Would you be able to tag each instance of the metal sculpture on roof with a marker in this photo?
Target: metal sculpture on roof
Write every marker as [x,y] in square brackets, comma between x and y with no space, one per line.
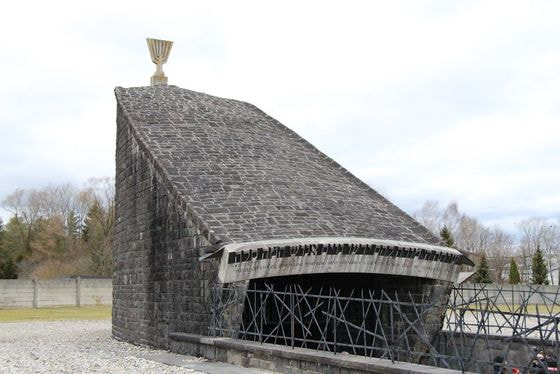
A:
[159,51]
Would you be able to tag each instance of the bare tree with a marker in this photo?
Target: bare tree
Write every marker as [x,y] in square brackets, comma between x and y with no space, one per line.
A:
[471,235]
[539,233]
[500,249]
[65,225]
[26,206]
[101,192]
[60,200]
[451,217]
[430,216]
[434,217]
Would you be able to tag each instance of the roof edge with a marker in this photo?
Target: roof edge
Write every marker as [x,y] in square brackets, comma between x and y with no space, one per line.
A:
[206,231]
[120,91]
[370,190]
[232,247]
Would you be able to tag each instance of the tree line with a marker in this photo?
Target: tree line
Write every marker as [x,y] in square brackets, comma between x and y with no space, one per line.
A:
[59,230]
[64,230]
[531,255]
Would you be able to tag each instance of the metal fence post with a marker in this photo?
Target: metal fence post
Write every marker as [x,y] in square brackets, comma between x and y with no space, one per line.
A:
[78,291]
[335,320]
[35,293]
[292,314]
[261,317]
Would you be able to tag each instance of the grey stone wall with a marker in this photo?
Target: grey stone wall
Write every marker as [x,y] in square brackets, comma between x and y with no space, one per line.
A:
[159,284]
[193,170]
[290,360]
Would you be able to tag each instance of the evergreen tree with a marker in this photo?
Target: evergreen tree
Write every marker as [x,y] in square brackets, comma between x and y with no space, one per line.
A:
[92,221]
[483,271]
[513,272]
[12,238]
[50,239]
[73,225]
[97,235]
[447,237]
[2,234]
[539,269]
[8,268]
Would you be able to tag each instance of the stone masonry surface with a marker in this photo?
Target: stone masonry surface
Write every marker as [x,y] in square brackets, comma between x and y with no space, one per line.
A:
[74,347]
[246,177]
[159,284]
[194,171]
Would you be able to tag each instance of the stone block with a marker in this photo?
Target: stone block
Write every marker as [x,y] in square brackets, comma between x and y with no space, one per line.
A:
[291,370]
[235,358]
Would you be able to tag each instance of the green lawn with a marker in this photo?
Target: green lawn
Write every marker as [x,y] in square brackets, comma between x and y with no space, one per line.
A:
[86,312]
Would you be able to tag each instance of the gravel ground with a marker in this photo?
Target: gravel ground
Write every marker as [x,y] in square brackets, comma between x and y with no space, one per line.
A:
[74,347]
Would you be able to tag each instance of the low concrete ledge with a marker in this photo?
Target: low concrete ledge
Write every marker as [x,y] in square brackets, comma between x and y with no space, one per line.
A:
[285,359]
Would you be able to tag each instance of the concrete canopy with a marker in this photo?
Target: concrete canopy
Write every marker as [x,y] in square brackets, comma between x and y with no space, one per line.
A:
[273,258]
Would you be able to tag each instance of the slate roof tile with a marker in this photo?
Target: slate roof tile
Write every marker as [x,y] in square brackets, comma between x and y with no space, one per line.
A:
[247,177]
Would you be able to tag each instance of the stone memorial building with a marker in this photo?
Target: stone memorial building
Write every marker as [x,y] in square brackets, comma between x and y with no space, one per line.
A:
[213,191]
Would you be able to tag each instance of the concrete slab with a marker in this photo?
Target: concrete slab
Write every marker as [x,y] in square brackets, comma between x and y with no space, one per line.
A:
[339,362]
[209,367]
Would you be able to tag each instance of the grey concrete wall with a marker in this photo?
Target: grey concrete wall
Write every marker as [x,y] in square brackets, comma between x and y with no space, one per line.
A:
[16,293]
[284,359]
[27,293]
[56,292]
[96,291]
[513,294]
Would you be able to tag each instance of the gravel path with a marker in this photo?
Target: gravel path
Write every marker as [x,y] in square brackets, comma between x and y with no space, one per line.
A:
[74,347]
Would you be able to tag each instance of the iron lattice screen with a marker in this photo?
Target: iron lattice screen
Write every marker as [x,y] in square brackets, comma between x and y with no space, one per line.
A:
[477,324]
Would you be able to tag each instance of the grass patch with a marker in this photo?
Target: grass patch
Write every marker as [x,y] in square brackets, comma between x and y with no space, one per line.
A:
[61,313]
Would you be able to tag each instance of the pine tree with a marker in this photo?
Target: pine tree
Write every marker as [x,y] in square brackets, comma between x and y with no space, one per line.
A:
[483,271]
[2,234]
[540,271]
[91,221]
[513,272]
[97,236]
[8,268]
[72,225]
[447,237]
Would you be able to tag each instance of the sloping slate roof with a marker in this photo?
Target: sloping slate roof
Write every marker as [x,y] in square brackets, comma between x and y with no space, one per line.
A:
[247,177]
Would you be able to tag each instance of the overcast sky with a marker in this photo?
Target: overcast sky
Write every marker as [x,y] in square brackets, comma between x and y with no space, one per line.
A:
[423,100]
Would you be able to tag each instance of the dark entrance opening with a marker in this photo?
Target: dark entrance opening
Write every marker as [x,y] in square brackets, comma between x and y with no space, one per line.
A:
[340,312]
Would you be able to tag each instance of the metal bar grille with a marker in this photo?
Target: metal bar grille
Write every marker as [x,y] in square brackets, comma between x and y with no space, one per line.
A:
[477,325]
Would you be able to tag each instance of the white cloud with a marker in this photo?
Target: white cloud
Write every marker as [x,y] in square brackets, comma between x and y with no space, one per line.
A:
[423,100]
